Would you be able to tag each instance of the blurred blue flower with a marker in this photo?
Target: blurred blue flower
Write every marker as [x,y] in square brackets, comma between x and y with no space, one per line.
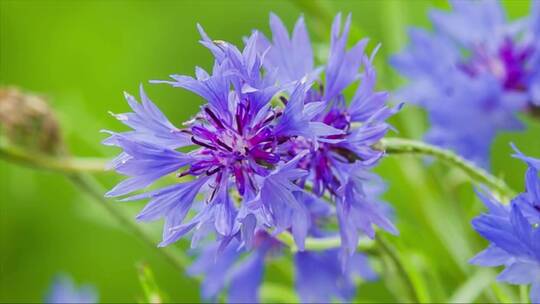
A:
[63,290]
[319,276]
[264,136]
[514,234]
[473,74]
[234,270]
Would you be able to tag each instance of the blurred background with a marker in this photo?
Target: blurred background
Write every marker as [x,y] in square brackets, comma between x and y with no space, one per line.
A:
[82,55]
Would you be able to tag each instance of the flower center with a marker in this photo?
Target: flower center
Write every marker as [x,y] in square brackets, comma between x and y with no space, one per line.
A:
[326,154]
[237,148]
[509,64]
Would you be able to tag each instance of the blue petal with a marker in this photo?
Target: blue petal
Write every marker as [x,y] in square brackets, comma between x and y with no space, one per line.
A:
[246,279]
[213,268]
[278,198]
[292,57]
[146,163]
[293,122]
[150,125]
[176,198]
[319,278]
[520,273]
[173,230]
[342,68]
[214,89]
[533,162]
[470,22]
[63,290]
[492,256]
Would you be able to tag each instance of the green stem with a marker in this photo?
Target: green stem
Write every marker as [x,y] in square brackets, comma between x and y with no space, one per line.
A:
[387,249]
[53,163]
[320,244]
[394,146]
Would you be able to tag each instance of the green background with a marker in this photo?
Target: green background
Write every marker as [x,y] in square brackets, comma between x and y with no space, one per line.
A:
[81,55]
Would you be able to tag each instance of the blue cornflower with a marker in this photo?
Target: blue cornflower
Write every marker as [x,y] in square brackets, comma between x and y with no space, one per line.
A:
[473,74]
[514,234]
[338,163]
[63,290]
[319,277]
[234,270]
[264,136]
[234,141]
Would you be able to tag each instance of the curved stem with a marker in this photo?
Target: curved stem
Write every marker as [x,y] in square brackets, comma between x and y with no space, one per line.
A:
[52,163]
[395,146]
[320,244]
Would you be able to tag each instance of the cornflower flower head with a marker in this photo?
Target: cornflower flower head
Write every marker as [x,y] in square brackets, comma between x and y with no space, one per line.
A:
[342,153]
[487,69]
[514,234]
[264,137]
[235,141]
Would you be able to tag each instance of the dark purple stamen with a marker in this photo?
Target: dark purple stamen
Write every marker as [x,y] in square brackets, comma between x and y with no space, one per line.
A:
[240,180]
[275,115]
[200,143]
[200,167]
[282,140]
[203,133]
[514,60]
[267,157]
[214,118]
[182,174]
[241,112]
[213,171]
[263,135]
[223,145]
[350,156]
[509,64]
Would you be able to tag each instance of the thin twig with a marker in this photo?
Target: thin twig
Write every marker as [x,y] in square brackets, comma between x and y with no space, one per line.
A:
[52,163]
